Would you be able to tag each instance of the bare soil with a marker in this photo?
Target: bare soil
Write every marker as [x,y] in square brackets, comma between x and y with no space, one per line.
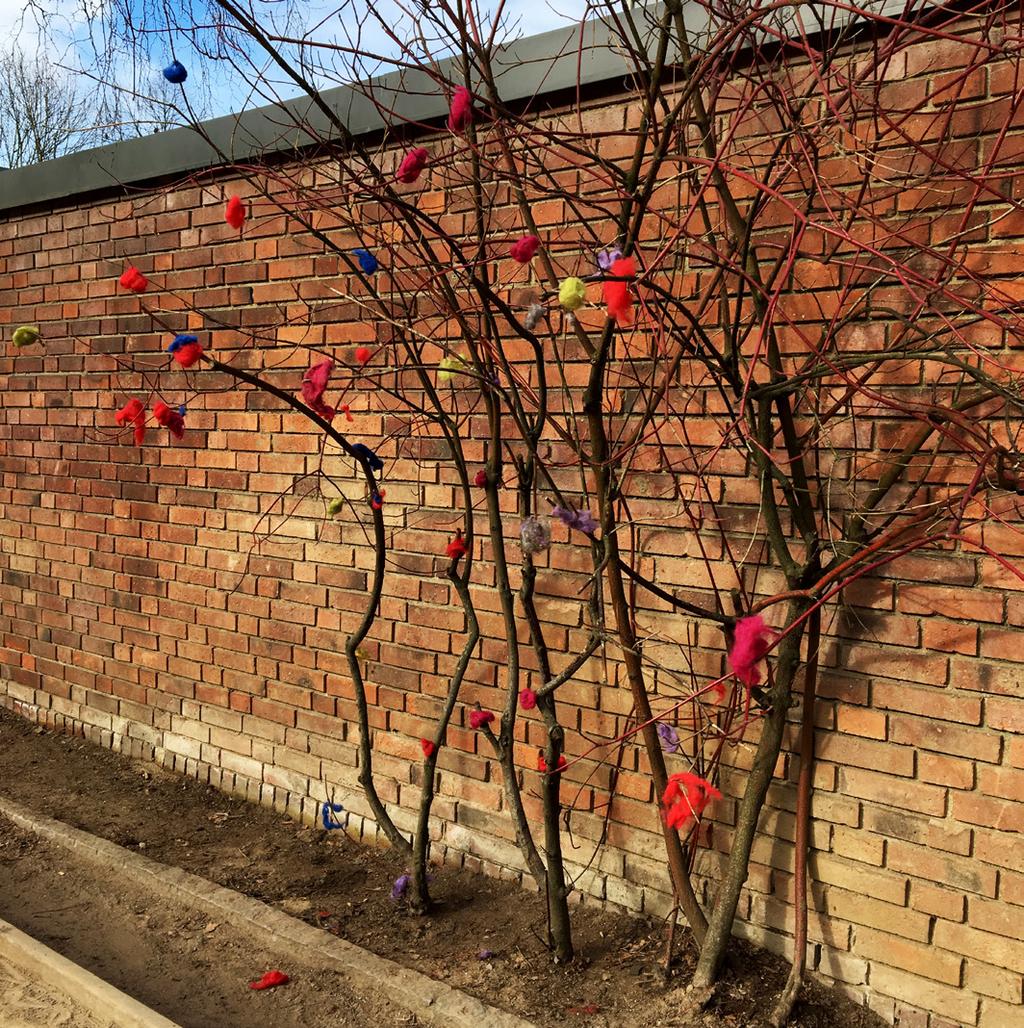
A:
[171,957]
[334,883]
[28,1002]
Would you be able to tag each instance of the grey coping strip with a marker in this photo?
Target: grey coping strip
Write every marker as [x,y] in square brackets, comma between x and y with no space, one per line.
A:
[583,55]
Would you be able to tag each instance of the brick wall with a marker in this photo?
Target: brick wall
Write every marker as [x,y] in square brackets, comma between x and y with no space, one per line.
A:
[160,602]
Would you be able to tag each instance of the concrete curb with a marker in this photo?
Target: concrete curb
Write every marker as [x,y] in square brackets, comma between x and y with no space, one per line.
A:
[100,998]
[431,1001]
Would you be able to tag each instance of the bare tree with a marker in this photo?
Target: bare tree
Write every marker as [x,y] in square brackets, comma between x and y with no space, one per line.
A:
[43,112]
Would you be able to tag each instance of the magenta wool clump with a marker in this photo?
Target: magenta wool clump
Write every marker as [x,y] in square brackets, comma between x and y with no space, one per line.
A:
[460,115]
[751,642]
[479,718]
[412,165]
[524,250]
[314,385]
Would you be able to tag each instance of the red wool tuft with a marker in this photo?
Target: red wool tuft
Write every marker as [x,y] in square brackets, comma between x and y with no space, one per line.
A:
[234,213]
[363,354]
[525,249]
[188,354]
[269,981]
[542,763]
[457,547]
[751,641]
[479,718]
[169,418]
[135,414]
[461,114]
[685,798]
[428,747]
[412,165]
[616,294]
[134,280]
[481,478]
[527,699]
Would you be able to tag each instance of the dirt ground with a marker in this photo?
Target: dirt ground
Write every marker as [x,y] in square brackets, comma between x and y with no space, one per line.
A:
[170,957]
[27,1002]
[332,882]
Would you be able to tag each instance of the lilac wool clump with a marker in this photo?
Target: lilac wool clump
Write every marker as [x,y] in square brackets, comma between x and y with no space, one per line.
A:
[669,737]
[401,886]
[535,535]
[606,258]
[581,520]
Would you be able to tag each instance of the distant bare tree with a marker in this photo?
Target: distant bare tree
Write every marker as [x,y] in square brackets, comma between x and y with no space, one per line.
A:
[43,112]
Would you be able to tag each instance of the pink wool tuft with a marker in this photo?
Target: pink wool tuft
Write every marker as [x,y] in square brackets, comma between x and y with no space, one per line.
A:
[461,113]
[479,718]
[751,642]
[527,699]
[616,294]
[314,385]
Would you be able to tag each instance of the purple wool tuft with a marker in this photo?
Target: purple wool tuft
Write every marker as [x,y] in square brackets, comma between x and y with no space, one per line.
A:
[669,737]
[582,520]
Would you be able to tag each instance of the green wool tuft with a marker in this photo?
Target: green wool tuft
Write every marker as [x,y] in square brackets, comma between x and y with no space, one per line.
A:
[26,335]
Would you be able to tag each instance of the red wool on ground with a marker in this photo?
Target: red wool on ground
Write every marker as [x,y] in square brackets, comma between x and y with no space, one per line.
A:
[134,280]
[525,249]
[412,165]
[685,798]
[135,414]
[751,641]
[457,547]
[616,294]
[234,213]
[428,747]
[479,718]
[461,114]
[169,418]
[269,981]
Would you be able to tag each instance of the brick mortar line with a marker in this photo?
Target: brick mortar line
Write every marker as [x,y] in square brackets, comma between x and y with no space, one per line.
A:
[434,1001]
[98,997]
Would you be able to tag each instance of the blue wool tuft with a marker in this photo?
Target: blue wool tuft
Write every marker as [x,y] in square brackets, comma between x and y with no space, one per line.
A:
[364,453]
[325,814]
[367,261]
[181,410]
[180,341]
[175,72]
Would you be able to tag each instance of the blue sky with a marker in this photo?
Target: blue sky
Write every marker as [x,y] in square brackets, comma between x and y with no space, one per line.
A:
[217,85]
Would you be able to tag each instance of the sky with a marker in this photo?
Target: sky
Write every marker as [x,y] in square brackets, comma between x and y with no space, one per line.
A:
[76,40]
